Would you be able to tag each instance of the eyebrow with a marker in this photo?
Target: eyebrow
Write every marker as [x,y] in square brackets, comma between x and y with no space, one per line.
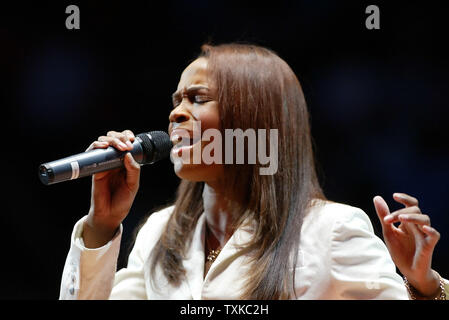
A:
[191,88]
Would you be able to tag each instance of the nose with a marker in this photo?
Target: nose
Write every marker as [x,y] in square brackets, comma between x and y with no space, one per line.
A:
[179,114]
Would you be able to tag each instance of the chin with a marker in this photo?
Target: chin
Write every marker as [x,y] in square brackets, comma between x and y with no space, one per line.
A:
[198,172]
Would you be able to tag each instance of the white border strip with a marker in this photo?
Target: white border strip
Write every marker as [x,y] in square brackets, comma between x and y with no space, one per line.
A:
[75,170]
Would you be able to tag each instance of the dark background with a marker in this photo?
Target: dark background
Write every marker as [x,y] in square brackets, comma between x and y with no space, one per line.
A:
[377,98]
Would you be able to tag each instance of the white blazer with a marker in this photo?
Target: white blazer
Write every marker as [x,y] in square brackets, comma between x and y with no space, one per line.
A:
[339,257]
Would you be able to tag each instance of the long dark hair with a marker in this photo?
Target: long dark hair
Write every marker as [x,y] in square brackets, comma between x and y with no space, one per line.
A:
[255,89]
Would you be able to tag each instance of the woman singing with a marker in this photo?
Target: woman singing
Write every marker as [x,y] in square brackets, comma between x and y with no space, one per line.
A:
[232,232]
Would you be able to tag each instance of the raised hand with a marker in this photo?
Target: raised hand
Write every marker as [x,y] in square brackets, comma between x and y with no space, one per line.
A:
[113,191]
[411,244]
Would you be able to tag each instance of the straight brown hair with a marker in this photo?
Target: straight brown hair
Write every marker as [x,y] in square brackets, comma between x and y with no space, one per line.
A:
[255,89]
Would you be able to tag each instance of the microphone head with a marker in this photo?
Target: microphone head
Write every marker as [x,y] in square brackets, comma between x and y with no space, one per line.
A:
[156,145]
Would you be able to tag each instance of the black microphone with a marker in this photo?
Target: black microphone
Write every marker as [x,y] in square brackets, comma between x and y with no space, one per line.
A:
[148,148]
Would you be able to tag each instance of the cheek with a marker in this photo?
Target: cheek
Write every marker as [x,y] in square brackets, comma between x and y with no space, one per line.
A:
[209,117]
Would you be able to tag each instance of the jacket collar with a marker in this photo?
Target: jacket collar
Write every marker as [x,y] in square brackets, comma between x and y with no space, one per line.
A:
[195,258]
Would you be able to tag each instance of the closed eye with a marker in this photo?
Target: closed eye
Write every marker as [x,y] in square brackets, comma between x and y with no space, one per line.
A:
[195,94]
[200,99]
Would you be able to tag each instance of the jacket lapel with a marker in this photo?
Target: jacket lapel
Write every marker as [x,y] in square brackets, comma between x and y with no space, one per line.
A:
[194,261]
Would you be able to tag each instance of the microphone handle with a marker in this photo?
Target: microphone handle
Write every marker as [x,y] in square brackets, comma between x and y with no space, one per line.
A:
[87,163]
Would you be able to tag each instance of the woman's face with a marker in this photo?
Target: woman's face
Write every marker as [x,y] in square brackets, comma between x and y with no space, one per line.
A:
[194,104]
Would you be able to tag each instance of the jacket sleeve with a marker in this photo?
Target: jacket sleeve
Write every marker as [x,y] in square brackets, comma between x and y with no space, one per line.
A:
[361,266]
[89,273]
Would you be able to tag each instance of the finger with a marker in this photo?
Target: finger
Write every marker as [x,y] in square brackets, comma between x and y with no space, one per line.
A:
[382,211]
[100,175]
[115,142]
[419,219]
[414,230]
[112,133]
[433,234]
[405,199]
[394,216]
[132,171]
[134,165]
[124,137]
[129,134]
[98,145]
[129,138]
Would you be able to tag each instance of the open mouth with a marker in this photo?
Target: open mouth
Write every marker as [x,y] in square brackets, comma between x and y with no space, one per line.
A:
[183,143]
[179,141]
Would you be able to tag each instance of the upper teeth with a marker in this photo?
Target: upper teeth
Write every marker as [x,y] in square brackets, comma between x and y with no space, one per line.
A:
[176,139]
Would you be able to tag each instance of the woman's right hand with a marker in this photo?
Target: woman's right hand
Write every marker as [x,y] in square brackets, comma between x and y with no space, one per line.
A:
[113,191]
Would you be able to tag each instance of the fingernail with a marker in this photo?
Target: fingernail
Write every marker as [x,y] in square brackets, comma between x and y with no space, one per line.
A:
[122,145]
[129,144]
[388,218]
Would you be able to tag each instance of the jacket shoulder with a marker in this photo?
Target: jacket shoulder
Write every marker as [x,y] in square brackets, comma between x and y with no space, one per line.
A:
[327,215]
[157,219]
[149,232]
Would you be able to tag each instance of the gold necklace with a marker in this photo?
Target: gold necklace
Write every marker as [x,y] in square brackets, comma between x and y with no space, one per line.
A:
[213,254]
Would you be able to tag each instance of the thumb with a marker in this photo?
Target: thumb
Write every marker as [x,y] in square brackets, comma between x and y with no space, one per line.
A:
[382,211]
[433,236]
[132,171]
